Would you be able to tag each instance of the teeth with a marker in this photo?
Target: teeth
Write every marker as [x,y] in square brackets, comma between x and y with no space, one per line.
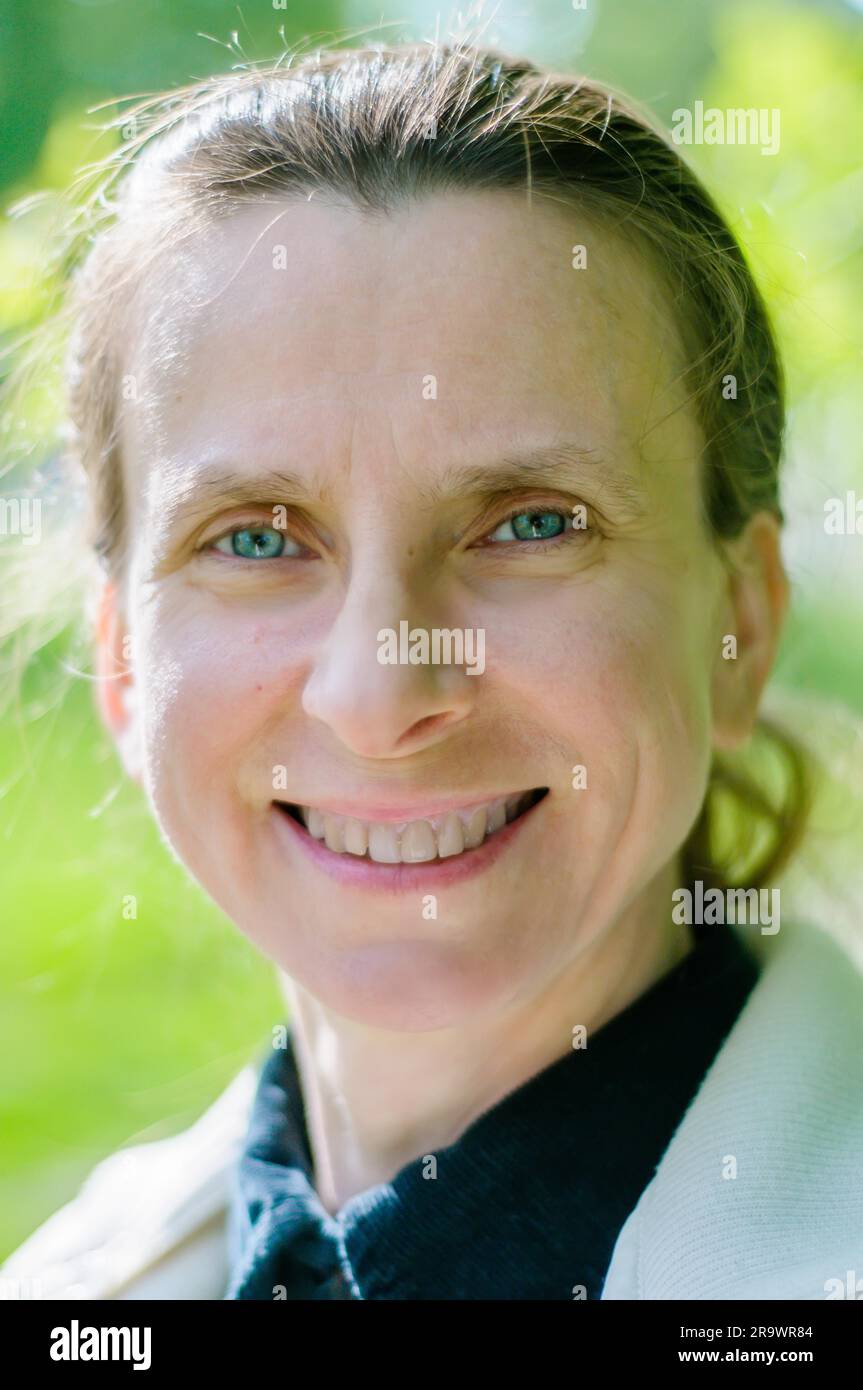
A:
[418,841]
[356,837]
[450,838]
[384,844]
[475,832]
[334,833]
[496,817]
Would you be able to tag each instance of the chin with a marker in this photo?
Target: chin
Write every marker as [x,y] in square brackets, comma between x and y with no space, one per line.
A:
[409,987]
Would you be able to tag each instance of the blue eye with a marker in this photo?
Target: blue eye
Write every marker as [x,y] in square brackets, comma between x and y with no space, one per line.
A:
[531,526]
[255,543]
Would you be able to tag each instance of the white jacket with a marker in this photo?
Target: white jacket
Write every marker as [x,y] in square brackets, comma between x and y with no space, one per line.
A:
[783,1097]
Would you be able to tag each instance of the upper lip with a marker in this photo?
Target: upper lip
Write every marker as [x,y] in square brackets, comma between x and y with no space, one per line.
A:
[405,810]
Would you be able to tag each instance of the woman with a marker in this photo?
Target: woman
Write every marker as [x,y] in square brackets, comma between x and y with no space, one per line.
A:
[432,423]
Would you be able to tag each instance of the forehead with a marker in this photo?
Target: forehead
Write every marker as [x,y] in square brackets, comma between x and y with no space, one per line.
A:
[449,326]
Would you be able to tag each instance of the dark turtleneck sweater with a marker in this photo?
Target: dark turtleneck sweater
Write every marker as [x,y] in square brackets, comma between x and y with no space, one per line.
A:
[529,1201]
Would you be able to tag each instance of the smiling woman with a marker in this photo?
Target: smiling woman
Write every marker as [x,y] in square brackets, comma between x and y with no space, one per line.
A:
[335,370]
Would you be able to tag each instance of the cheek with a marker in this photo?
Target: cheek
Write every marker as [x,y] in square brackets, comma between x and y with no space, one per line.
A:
[650,710]
[595,661]
[209,688]
[624,691]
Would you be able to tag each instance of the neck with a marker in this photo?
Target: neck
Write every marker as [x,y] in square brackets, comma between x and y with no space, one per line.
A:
[376,1100]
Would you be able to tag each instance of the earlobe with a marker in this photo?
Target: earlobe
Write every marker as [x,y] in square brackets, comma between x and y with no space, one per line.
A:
[756,602]
[116,689]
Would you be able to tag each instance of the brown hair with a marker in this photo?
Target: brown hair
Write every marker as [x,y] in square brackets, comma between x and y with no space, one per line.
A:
[380,126]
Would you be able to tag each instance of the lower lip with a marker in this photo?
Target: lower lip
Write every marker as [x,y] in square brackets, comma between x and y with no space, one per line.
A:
[358,872]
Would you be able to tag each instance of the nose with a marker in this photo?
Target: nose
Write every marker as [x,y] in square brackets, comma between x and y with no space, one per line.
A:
[383,709]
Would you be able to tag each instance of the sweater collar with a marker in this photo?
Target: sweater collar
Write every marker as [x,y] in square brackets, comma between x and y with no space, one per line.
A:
[529,1201]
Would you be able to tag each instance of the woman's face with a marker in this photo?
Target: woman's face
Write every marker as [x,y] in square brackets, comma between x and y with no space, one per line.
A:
[332,422]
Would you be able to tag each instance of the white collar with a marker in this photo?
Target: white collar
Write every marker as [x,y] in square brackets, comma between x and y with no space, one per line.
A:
[784,1099]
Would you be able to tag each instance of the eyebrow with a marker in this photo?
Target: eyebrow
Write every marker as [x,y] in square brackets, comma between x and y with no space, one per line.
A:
[562,464]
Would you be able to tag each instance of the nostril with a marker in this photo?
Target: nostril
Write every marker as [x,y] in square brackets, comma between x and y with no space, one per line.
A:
[430,724]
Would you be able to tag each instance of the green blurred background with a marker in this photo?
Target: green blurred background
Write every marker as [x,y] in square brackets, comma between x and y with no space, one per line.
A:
[112,1030]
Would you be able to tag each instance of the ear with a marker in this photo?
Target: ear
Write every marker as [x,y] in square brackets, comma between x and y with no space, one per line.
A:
[756,601]
[116,690]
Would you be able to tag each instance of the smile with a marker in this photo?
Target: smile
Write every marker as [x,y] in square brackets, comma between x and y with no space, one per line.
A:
[375,854]
[418,840]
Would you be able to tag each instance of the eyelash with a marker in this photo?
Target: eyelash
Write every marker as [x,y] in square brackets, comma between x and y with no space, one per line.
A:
[567,536]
